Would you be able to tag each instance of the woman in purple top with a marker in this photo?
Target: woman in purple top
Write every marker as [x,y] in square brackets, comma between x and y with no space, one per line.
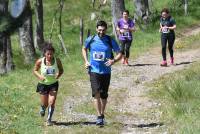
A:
[125,27]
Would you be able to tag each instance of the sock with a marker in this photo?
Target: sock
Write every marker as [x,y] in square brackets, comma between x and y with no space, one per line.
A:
[43,107]
[50,113]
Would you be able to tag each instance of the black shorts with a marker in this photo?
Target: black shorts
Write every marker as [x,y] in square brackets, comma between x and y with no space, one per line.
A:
[45,89]
[100,83]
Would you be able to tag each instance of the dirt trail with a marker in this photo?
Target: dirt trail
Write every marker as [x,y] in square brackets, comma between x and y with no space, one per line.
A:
[128,86]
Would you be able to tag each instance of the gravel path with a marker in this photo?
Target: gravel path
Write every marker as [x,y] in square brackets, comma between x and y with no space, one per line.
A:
[128,84]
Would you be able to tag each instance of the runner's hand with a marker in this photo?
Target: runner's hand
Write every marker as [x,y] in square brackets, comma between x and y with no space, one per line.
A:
[87,65]
[41,77]
[57,75]
[121,30]
[109,62]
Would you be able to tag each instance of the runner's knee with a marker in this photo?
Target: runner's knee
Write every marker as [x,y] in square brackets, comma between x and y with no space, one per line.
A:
[104,95]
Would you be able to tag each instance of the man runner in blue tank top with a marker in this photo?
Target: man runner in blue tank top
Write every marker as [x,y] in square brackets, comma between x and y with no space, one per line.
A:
[99,66]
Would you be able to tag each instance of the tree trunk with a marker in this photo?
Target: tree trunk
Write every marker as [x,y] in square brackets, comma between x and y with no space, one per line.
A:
[3,38]
[9,63]
[3,41]
[185,7]
[142,11]
[26,36]
[39,37]
[117,7]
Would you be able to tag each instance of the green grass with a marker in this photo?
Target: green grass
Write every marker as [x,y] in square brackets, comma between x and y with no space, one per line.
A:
[19,102]
[180,94]
[18,112]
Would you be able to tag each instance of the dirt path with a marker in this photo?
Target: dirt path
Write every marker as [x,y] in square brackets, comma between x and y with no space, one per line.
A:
[128,93]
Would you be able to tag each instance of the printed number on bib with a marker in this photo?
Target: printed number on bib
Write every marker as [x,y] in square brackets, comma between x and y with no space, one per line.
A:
[165,30]
[50,71]
[125,34]
[99,56]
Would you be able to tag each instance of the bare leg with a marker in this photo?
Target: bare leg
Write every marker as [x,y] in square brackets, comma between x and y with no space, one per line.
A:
[97,103]
[44,100]
[44,104]
[103,105]
[52,99]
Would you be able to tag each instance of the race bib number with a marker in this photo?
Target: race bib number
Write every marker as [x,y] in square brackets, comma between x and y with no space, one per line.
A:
[50,71]
[165,30]
[125,34]
[98,56]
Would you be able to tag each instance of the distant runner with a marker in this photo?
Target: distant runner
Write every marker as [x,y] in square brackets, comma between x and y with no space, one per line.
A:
[99,66]
[167,26]
[125,27]
[48,69]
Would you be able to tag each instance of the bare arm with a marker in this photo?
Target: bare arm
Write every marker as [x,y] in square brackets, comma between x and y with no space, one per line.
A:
[132,29]
[173,27]
[37,68]
[85,57]
[60,68]
[160,29]
[112,61]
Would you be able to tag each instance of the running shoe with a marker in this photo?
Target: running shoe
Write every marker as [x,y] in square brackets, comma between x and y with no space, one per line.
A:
[126,62]
[49,123]
[99,121]
[42,111]
[164,63]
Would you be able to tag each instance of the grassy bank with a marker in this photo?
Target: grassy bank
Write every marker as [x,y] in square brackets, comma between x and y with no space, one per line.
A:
[179,95]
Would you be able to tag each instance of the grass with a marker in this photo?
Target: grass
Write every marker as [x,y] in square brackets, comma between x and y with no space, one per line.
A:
[19,102]
[180,100]
[179,93]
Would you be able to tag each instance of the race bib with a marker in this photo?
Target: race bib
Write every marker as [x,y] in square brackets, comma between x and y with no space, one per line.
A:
[125,34]
[50,71]
[98,56]
[165,30]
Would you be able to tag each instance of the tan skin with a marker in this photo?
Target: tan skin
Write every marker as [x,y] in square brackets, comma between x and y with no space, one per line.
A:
[100,103]
[49,99]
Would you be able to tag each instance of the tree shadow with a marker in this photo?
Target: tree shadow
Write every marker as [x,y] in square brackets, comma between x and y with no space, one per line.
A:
[87,123]
[182,63]
[139,65]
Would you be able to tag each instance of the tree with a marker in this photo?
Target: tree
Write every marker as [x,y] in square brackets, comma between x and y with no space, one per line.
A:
[2,55]
[142,11]
[39,37]
[9,63]
[26,36]
[6,60]
[185,7]
[117,6]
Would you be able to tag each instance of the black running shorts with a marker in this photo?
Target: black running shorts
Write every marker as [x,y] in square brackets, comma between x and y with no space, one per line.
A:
[45,89]
[100,83]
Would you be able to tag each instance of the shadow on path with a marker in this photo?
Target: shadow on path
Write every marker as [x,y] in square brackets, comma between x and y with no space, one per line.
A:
[139,65]
[182,63]
[73,123]
[150,125]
